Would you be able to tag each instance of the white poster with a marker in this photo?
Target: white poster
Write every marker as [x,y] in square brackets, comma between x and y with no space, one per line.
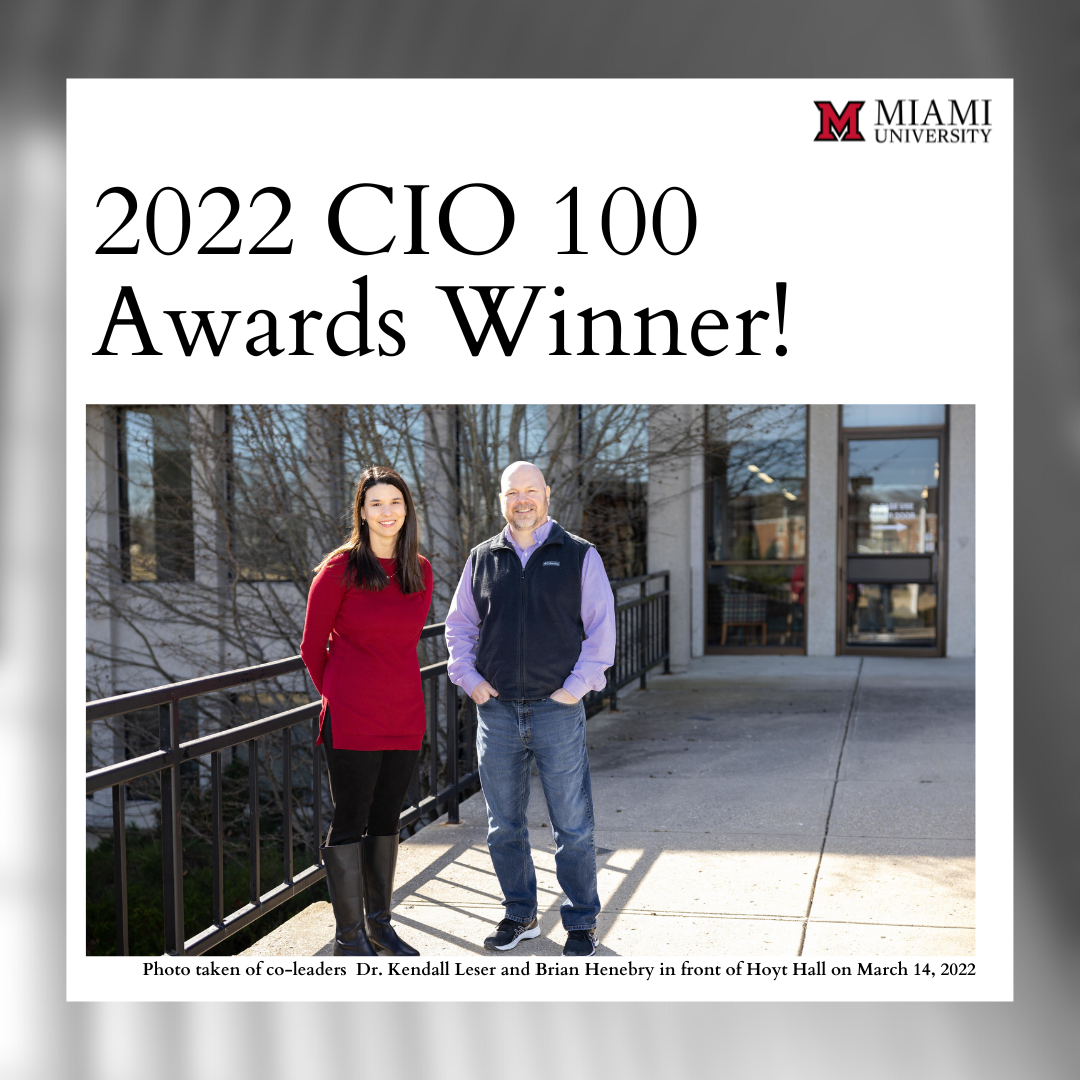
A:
[557,242]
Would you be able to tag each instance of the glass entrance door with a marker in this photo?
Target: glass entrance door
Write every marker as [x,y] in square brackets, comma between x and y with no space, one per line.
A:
[892,524]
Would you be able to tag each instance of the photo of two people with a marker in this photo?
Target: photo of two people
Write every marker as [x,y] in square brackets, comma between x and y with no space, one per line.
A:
[644,680]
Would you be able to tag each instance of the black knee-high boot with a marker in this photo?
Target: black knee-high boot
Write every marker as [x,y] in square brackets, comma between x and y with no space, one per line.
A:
[380,861]
[344,877]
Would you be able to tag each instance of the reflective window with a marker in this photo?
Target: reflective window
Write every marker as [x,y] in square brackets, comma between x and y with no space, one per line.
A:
[757,466]
[755,604]
[756,515]
[157,536]
[892,415]
[613,462]
[285,499]
[892,615]
[893,496]
[893,523]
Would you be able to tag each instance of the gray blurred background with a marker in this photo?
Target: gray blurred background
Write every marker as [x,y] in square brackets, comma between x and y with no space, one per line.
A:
[42,42]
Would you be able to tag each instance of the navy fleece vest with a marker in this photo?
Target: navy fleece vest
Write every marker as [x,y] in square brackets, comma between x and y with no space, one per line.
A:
[530,616]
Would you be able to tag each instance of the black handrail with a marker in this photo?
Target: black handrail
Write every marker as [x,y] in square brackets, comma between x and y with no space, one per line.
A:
[642,638]
[642,642]
[189,688]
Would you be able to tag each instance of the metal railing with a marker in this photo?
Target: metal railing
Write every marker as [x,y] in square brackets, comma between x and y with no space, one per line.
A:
[642,638]
[642,642]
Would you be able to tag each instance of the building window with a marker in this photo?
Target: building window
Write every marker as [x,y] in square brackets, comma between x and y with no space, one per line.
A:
[756,526]
[157,535]
[875,416]
[613,455]
[283,491]
[594,457]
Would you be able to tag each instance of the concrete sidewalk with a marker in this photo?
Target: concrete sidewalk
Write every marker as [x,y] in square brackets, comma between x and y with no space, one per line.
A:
[771,805]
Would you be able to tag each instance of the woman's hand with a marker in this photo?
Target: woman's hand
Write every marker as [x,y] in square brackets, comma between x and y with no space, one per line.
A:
[564,697]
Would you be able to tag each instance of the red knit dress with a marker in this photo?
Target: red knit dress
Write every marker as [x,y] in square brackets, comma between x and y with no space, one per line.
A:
[370,676]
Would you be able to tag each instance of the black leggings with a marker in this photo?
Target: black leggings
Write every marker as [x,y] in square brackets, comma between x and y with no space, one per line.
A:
[367,788]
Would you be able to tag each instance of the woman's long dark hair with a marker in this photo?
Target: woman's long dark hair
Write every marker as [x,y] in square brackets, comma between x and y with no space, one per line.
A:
[362,567]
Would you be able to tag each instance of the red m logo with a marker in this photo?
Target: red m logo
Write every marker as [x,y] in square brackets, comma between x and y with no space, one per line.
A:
[835,125]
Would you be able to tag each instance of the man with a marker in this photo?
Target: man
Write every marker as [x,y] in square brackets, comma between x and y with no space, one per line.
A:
[530,631]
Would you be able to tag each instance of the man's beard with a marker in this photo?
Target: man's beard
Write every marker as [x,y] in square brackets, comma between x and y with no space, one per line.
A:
[526,520]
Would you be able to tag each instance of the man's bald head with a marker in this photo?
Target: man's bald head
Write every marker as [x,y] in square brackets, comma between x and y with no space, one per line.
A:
[514,466]
[523,497]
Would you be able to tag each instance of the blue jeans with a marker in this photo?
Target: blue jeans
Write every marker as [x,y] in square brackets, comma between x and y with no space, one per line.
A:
[510,736]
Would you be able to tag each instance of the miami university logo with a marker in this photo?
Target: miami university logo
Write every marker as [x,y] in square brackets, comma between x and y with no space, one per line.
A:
[839,126]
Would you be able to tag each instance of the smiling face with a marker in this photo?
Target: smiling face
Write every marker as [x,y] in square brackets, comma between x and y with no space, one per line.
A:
[384,512]
[524,498]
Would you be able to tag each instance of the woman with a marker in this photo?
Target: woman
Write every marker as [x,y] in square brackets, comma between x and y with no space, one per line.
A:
[366,608]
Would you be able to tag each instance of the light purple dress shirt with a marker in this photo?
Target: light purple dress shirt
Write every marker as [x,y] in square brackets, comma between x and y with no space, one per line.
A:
[597,618]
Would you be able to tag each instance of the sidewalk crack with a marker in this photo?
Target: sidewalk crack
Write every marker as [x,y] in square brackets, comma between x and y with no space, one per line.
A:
[832,799]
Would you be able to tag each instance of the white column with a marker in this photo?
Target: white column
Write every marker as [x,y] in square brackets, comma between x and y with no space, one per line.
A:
[960,599]
[696,554]
[671,519]
[822,511]
[102,545]
[102,584]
